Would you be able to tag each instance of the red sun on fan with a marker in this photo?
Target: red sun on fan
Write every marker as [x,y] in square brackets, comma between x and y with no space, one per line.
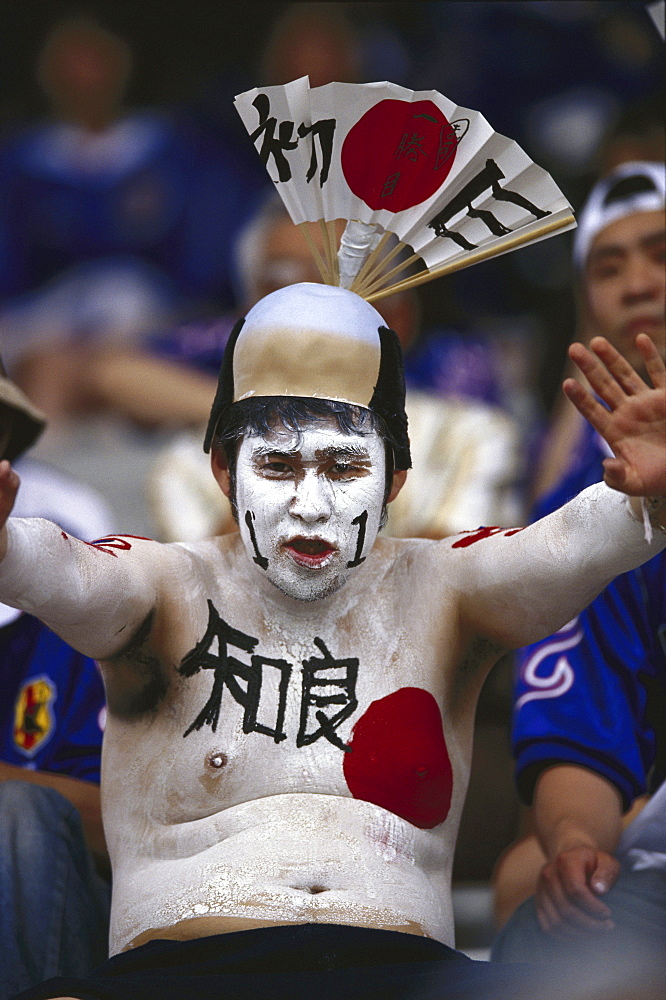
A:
[398,154]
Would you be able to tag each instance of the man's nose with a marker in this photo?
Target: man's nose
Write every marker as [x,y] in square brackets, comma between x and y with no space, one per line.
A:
[312,502]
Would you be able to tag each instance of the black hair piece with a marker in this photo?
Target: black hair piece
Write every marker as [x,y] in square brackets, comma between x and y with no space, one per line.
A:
[224,395]
[388,397]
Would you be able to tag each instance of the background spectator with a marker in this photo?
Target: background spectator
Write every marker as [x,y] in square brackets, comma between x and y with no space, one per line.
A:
[54,905]
[589,713]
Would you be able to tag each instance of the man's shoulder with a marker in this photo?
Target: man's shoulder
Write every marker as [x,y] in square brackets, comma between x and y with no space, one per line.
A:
[217,547]
[216,557]
[408,557]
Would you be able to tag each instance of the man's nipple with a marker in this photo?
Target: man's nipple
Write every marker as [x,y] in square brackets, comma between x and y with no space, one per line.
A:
[216,760]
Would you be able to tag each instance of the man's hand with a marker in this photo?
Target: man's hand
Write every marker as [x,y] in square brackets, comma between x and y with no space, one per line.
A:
[568,891]
[634,425]
[9,484]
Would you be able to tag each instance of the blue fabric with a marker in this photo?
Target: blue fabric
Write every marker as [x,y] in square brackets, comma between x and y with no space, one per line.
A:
[174,197]
[449,363]
[637,904]
[200,344]
[594,694]
[54,908]
[585,468]
[52,703]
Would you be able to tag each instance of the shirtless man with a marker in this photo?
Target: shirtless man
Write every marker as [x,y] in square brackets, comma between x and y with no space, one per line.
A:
[291,707]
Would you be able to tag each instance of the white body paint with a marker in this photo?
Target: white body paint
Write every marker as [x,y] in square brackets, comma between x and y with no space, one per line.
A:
[274,835]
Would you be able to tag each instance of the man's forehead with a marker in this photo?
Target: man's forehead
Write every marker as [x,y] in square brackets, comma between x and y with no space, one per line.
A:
[630,231]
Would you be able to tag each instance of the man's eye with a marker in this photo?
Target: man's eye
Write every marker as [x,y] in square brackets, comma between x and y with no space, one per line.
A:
[604,271]
[343,469]
[276,468]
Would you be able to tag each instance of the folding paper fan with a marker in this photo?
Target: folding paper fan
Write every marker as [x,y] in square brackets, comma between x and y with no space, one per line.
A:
[450,189]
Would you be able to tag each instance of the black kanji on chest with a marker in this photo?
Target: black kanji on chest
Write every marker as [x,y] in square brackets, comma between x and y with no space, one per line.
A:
[328,696]
[328,685]
[243,680]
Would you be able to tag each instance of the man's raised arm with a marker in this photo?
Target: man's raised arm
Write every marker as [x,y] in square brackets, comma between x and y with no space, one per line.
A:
[517,587]
[95,601]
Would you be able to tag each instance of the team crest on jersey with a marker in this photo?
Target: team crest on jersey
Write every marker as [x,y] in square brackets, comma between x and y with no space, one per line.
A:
[33,715]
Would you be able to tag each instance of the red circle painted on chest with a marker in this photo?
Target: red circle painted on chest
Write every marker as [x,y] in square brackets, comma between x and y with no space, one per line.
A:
[399,760]
[398,154]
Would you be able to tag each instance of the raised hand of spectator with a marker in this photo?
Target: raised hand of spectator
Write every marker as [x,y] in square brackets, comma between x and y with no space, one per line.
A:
[634,424]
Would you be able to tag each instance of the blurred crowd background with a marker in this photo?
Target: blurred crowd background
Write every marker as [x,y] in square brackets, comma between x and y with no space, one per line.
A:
[127,186]
[571,80]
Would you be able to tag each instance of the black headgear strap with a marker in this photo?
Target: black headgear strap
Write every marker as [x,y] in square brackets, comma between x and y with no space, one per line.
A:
[224,396]
[388,397]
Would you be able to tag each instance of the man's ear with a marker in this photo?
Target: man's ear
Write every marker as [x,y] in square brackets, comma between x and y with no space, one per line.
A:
[397,485]
[220,466]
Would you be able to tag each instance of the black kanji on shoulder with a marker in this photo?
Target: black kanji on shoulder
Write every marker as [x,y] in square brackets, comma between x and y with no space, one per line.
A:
[327,682]
[243,680]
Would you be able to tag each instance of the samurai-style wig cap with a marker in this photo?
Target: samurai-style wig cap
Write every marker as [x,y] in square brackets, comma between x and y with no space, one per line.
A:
[316,341]
[629,189]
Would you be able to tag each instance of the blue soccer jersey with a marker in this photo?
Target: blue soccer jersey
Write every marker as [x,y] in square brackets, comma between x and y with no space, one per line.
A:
[52,707]
[594,694]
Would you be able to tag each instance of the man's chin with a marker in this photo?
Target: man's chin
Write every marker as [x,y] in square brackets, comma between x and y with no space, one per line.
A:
[308,590]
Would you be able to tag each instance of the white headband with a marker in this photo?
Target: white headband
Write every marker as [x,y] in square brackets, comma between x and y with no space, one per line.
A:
[629,189]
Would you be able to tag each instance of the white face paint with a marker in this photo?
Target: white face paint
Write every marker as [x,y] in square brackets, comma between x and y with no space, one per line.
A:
[309,508]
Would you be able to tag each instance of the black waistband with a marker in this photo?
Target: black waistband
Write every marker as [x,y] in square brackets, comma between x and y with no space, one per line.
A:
[290,962]
[288,948]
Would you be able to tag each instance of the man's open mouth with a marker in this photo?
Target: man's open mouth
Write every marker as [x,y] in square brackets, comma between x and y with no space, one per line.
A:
[309,552]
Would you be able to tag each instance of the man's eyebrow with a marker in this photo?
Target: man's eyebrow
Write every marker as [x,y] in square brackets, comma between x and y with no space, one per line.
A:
[357,452]
[335,451]
[654,239]
[606,252]
[264,451]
